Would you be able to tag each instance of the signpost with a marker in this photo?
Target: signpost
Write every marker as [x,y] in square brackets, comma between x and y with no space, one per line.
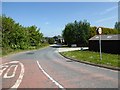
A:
[99,31]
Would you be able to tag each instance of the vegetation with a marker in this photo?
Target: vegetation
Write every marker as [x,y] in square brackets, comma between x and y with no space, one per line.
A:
[77,33]
[80,32]
[117,26]
[105,31]
[93,57]
[51,40]
[17,37]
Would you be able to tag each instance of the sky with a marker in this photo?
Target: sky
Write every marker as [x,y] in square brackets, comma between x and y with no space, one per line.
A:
[51,17]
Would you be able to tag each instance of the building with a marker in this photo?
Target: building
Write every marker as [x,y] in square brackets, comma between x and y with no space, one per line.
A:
[58,39]
[109,43]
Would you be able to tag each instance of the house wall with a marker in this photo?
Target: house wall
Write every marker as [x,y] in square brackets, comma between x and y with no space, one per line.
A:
[107,46]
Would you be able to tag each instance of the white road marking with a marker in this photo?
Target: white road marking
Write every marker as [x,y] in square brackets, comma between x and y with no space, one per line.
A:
[13,74]
[19,80]
[3,65]
[56,83]
[2,70]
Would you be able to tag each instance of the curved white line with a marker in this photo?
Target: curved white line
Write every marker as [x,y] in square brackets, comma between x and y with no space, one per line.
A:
[2,70]
[56,83]
[13,74]
[19,80]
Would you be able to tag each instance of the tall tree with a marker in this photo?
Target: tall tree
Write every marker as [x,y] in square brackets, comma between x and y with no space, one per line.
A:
[15,36]
[77,33]
[117,26]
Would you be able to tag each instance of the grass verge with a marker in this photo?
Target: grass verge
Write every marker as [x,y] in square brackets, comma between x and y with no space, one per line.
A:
[8,51]
[93,57]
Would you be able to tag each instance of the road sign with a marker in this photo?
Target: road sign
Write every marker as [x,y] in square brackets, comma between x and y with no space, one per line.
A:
[100,30]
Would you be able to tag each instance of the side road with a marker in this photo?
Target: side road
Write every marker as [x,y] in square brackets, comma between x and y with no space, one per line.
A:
[65,49]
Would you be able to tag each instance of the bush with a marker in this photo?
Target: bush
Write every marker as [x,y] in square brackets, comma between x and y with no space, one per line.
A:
[51,41]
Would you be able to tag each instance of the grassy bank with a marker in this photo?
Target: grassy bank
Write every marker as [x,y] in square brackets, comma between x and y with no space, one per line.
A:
[8,51]
[93,57]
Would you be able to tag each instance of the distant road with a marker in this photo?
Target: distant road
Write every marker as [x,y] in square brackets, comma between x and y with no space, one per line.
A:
[46,68]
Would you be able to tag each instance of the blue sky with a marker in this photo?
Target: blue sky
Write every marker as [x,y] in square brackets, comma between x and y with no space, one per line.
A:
[52,17]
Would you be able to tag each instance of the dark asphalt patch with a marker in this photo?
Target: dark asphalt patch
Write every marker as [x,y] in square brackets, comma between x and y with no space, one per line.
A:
[29,53]
[69,61]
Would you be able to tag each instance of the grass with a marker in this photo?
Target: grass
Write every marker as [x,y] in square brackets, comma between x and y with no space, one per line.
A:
[94,57]
[8,51]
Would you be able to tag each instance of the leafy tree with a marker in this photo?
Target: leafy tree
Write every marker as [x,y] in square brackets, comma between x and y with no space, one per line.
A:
[77,33]
[15,36]
[117,26]
[35,37]
[51,40]
[105,31]
[84,33]
[69,34]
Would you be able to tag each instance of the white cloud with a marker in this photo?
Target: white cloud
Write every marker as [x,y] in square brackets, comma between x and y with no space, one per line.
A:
[105,19]
[109,10]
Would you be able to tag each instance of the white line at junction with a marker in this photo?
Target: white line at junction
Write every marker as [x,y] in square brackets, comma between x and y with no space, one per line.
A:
[56,83]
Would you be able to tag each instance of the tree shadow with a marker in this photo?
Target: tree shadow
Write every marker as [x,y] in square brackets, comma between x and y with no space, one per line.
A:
[30,53]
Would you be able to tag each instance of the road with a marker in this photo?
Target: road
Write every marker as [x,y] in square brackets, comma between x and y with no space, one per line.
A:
[46,68]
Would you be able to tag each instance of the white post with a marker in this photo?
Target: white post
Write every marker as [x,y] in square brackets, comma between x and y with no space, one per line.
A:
[100,47]
[99,31]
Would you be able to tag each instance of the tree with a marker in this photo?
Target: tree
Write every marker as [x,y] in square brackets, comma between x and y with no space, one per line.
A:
[69,34]
[51,40]
[117,26]
[35,37]
[104,31]
[15,36]
[92,31]
[84,32]
[77,33]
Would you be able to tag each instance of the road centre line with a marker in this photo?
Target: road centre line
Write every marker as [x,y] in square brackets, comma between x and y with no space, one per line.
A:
[56,83]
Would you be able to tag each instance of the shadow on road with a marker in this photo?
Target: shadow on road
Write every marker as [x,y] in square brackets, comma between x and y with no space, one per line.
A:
[29,53]
[55,46]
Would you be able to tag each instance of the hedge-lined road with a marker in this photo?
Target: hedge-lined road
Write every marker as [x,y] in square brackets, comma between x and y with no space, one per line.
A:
[46,68]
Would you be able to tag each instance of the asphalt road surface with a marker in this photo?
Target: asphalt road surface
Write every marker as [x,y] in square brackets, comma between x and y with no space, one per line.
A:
[46,68]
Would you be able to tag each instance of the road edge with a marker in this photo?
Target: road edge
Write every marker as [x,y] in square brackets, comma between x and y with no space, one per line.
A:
[24,51]
[98,65]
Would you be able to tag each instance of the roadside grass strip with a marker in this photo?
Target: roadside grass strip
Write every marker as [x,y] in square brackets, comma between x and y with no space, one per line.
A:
[111,60]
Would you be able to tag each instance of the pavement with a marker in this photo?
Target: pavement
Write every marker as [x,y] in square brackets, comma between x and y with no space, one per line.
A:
[61,49]
[46,68]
